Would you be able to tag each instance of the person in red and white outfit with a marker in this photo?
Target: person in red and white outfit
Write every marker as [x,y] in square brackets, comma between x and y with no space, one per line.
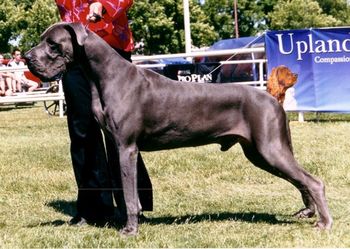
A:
[97,172]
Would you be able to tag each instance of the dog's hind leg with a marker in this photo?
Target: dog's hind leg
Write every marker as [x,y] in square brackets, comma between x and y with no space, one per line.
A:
[310,206]
[280,162]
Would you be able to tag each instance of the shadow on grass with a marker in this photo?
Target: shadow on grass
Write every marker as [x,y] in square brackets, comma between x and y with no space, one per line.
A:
[10,107]
[68,208]
[251,217]
[65,207]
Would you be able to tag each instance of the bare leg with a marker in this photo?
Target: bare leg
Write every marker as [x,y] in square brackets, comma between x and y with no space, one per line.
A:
[2,86]
[16,86]
[32,85]
[9,84]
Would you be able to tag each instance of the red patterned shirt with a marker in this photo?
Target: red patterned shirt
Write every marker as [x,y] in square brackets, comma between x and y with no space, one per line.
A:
[113,28]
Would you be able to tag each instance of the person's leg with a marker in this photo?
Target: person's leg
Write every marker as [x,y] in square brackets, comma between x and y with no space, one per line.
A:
[2,86]
[32,85]
[16,83]
[9,83]
[87,151]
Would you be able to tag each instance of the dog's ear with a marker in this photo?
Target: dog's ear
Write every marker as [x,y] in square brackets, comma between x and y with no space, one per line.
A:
[79,31]
[272,81]
[281,75]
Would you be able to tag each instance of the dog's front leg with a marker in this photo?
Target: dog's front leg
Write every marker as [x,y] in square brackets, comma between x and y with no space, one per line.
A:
[97,106]
[128,163]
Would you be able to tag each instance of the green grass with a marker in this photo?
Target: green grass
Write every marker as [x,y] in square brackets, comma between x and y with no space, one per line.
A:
[203,197]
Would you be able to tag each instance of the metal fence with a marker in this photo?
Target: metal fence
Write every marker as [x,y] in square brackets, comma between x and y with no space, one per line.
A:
[42,95]
[260,82]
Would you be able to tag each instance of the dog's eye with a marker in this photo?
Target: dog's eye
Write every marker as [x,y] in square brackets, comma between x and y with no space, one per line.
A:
[53,45]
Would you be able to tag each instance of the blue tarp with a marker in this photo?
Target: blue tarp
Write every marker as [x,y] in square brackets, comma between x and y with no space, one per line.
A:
[237,42]
[172,61]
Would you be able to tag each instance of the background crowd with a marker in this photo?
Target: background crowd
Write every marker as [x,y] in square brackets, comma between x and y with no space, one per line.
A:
[14,82]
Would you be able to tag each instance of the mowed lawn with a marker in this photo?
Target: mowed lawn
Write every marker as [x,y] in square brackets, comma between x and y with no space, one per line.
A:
[203,197]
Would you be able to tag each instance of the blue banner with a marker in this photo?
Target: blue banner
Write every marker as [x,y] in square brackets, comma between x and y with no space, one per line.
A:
[321,58]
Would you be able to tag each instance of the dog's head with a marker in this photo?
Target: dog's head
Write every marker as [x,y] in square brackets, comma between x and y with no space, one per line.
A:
[59,47]
[280,79]
[283,76]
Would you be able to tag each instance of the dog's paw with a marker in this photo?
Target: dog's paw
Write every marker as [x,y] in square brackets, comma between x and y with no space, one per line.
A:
[131,227]
[324,225]
[128,231]
[304,213]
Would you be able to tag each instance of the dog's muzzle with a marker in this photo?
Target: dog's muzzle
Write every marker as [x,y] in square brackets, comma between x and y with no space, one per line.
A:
[39,70]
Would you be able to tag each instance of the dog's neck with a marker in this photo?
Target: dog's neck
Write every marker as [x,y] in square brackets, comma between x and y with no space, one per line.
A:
[101,56]
[90,55]
[105,80]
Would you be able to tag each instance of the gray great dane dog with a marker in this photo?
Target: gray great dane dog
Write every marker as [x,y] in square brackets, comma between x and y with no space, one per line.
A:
[144,111]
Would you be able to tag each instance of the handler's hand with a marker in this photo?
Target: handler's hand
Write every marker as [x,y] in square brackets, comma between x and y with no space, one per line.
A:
[95,14]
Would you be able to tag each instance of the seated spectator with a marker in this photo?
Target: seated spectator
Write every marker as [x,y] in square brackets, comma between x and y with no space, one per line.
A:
[20,81]
[5,80]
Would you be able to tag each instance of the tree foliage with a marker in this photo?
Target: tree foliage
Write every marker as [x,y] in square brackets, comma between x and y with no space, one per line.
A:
[159,23]
[251,18]
[161,26]
[220,15]
[298,14]
[22,22]
[266,6]
[42,14]
[339,9]
[11,20]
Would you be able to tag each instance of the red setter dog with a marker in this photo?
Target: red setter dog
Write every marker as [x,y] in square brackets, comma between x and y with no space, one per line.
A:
[280,79]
